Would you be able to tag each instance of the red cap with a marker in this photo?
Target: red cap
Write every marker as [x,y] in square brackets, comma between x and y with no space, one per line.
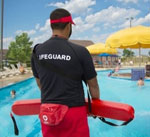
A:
[63,20]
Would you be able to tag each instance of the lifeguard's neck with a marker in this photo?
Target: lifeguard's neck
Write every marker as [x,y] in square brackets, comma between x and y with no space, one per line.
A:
[60,33]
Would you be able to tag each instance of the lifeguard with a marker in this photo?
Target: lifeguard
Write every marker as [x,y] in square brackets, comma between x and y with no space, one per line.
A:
[62,97]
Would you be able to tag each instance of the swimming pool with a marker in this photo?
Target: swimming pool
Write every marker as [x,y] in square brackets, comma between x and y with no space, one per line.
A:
[118,90]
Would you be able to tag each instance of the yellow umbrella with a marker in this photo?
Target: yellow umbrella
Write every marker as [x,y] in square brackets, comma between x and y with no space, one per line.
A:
[135,37]
[100,48]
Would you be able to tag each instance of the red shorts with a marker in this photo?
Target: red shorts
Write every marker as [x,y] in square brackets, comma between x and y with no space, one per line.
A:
[74,124]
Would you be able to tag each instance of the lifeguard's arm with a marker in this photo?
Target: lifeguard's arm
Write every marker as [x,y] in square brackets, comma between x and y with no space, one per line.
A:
[94,88]
[38,83]
[34,70]
[89,74]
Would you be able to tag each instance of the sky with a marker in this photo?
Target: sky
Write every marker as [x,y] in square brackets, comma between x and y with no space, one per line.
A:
[95,19]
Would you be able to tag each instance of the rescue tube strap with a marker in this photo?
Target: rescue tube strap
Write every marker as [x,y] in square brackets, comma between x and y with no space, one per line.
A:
[15,125]
[89,100]
[112,124]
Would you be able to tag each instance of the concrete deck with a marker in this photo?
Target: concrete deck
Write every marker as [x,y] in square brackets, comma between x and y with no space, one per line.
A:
[13,79]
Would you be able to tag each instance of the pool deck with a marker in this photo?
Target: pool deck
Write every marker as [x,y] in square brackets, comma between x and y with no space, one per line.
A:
[13,79]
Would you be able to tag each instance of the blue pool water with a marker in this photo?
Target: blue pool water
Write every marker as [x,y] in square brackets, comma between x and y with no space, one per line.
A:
[118,90]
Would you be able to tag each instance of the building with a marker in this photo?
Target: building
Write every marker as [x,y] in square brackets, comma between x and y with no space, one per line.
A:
[4,54]
[83,43]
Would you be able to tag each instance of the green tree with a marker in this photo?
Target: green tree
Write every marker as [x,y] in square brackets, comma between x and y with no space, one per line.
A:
[20,49]
[128,53]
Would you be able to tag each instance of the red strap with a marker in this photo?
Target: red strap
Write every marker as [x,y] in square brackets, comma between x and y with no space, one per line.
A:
[63,20]
[11,114]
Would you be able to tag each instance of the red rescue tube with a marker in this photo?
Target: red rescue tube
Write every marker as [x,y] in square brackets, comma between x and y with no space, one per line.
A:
[112,110]
[100,108]
[26,107]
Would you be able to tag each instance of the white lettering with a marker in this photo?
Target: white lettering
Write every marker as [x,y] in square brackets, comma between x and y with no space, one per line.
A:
[49,56]
[45,56]
[59,57]
[39,57]
[55,57]
[63,57]
[68,58]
